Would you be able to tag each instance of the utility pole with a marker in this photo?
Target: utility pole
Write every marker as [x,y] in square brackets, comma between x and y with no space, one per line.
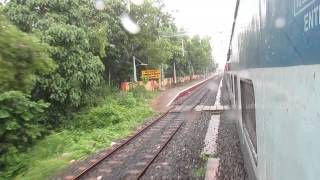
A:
[174,73]
[161,76]
[135,67]
[192,71]
[109,73]
[182,47]
[109,77]
[135,79]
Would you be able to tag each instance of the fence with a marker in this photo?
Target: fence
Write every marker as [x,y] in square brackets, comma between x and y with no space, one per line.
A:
[157,84]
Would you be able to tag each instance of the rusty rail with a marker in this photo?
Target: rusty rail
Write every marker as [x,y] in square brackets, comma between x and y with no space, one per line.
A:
[156,155]
[82,173]
[85,171]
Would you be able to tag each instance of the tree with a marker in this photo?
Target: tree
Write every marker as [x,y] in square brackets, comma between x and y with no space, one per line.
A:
[76,33]
[22,60]
[199,53]
[146,45]
[90,44]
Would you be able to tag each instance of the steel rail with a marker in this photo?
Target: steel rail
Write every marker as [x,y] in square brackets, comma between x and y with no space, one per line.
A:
[161,149]
[88,169]
[193,94]
[197,89]
[173,134]
[84,172]
[202,98]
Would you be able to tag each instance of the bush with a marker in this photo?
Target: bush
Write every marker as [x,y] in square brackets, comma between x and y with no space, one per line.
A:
[99,117]
[141,93]
[86,132]
[128,100]
[20,122]
[22,58]
[98,95]
[113,110]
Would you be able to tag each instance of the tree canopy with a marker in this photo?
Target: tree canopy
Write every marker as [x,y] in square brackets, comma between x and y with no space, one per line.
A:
[57,55]
[76,35]
[91,45]
[21,57]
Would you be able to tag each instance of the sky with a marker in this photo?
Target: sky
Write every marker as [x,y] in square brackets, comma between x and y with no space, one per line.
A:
[211,18]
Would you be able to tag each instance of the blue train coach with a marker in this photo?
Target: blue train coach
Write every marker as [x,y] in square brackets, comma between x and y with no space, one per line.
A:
[273,78]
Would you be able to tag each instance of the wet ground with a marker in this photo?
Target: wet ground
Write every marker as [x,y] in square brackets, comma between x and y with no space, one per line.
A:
[160,103]
[182,159]
[185,151]
[231,166]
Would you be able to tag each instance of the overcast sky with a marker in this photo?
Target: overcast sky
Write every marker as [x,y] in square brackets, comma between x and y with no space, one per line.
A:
[207,18]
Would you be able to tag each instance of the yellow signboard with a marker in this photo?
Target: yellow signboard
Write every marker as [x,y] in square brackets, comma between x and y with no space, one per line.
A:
[151,74]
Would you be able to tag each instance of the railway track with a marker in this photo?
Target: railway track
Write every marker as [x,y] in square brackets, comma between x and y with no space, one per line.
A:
[131,158]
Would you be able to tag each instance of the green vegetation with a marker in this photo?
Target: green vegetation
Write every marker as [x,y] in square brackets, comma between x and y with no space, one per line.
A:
[56,58]
[22,57]
[89,131]
[21,119]
[204,157]
[90,44]
[200,172]
[75,33]
[20,122]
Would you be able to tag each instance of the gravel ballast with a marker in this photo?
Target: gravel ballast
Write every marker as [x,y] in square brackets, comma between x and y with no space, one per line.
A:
[184,155]
[181,158]
[231,166]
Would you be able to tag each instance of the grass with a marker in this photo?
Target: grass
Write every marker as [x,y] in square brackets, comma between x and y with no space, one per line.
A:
[200,172]
[204,157]
[88,132]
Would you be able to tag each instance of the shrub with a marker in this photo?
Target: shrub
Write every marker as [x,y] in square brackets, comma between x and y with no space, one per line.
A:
[22,58]
[20,122]
[140,92]
[128,100]
[113,110]
[97,117]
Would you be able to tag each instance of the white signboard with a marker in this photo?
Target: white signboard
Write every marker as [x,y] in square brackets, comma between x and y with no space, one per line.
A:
[301,5]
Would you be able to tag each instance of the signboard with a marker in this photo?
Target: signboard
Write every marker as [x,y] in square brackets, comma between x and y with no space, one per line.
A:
[151,74]
[301,5]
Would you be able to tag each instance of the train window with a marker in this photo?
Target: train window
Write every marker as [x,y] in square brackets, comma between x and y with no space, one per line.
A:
[228,82]
[236,90]
[231,82]
[249,114]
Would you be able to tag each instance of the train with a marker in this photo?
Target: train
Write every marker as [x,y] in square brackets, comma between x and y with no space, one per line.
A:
[273,80]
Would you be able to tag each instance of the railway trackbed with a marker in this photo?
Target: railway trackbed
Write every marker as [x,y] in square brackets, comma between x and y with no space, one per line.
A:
[132,157]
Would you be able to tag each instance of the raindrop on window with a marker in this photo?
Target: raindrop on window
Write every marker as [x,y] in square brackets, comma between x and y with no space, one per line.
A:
[280,23]
[99,5]
[129,24]
[137,2]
